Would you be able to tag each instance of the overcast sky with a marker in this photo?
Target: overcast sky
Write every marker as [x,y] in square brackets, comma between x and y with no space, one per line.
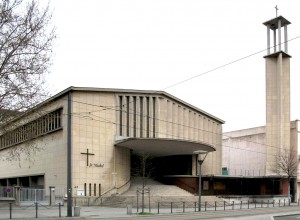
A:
[155,44]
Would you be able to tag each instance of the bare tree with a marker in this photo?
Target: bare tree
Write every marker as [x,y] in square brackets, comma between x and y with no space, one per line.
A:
[287,164]
[142,166]
[26,38]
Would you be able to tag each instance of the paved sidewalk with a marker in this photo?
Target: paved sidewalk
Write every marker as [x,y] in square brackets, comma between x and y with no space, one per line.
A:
[45,212]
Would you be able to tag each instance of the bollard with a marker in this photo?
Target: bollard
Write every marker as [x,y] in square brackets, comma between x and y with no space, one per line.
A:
[171,207]
[195,206]
[232,205]
[215,205]
[10,210]
[284,202]
[129,209]
[36,210]
[261,205]
[59,210]
[248,204]
[268,203]
[241,205]
[289,202]
[279,202]
[224,205]
[76,211]
[158,208]
[273,202]
[254,203]
[205,205]
[183,207]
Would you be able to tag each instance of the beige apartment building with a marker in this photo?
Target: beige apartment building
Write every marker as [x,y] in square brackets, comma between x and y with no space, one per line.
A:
[81,140]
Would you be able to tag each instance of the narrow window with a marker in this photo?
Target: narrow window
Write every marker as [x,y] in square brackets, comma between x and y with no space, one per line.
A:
[121,119]
[141,116]
[128,116]
[154,116]
[90,189]
[134,116]
[148,117]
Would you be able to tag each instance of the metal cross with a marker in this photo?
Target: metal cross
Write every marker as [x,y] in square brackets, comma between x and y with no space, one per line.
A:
[276,8]
[87,156]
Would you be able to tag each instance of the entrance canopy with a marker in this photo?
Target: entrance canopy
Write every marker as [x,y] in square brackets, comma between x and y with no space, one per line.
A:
[164,146]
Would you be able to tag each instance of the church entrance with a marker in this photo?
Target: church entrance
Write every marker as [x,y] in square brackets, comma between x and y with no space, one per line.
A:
[157,167]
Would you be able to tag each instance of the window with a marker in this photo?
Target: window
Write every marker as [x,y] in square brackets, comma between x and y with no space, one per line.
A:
[48,123]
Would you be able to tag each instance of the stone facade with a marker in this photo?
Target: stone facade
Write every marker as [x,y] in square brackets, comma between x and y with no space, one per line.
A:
[98,118]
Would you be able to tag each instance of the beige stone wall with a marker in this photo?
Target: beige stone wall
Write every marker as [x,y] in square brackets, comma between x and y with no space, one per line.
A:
[47,154]
[179,121]
[94,128]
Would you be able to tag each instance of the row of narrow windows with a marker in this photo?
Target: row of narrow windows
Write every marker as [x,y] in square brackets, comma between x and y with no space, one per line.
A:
[92,190]
[137,116]
[43,125]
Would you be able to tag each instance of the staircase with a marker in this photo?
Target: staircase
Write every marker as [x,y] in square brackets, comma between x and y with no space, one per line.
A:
[164,194]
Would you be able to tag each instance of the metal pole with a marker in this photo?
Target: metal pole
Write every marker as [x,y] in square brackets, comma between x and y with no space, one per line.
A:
[10,210]
[200,192]
[69,157]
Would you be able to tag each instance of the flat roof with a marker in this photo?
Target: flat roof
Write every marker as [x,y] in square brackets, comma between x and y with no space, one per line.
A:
[273,23]
[164,146]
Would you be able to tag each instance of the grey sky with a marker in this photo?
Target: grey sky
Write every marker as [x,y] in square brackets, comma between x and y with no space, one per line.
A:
[155,44]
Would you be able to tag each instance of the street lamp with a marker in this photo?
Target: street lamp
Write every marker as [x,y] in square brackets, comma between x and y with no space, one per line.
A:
[201,157]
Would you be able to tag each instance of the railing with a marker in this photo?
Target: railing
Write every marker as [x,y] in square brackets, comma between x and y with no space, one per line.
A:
[6,191]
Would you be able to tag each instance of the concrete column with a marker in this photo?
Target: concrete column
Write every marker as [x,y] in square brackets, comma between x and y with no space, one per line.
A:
[138,117]
[150,117]
[144,113]
[185,123]
[268,39]
[279,34]
[285,39]
[274,38]
[175,120]
[196,127]
[131,116]
[17,190]
[200,128]
[118,115]
[124,116]
[169,119]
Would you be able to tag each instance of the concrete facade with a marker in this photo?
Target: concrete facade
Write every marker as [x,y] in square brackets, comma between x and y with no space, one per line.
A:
[99,117]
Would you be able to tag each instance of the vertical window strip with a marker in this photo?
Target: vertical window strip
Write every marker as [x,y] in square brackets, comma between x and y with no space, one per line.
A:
[128,116]
[141,116]
[148,116]
[154,116]
[134,116]
[120,114]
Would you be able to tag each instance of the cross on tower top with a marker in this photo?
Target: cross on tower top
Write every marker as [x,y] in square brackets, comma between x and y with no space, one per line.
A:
[276,8]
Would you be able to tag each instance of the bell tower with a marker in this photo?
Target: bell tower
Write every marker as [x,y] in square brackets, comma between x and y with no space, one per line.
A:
[277,63]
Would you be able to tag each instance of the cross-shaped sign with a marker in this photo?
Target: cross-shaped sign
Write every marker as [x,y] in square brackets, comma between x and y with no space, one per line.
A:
[87,156]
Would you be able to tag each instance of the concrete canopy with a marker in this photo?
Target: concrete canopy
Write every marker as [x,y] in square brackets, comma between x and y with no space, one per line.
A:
[164,147]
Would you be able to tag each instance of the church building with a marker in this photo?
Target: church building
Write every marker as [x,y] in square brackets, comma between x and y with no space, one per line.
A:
[81,140]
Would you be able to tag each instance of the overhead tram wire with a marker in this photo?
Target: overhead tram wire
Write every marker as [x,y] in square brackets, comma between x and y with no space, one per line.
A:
[110,122]
[204,73]
[191,78]
[177,124]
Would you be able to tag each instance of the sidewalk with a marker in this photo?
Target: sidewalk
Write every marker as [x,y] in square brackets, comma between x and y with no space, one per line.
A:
[96,212]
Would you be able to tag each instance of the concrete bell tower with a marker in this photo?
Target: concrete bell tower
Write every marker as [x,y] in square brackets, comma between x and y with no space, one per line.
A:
[277,92]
